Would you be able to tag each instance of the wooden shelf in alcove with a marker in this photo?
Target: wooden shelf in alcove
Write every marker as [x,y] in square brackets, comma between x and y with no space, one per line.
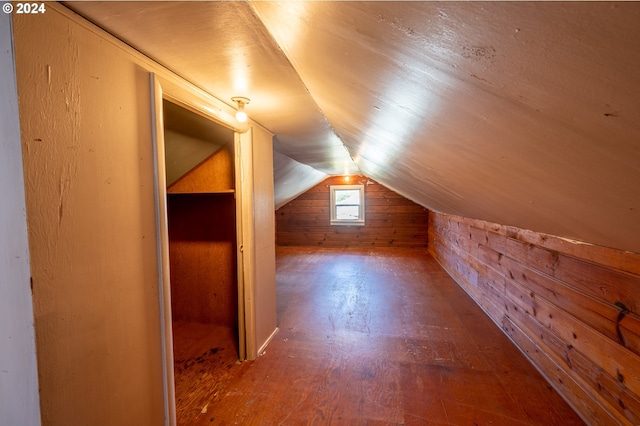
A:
[215,175]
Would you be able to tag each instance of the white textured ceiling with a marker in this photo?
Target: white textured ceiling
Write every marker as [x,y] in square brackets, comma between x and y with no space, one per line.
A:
[521,113]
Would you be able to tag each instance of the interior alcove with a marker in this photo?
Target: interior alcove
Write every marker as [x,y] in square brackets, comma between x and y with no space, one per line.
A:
[201,217]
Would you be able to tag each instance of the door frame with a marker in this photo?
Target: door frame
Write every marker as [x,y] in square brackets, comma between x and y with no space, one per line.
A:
[190,97]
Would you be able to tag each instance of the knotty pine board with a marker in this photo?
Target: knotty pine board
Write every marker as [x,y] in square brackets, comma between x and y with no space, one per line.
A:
[556,300]
[390,219]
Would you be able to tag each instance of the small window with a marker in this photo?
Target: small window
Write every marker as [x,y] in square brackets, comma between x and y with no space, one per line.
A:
[347,204]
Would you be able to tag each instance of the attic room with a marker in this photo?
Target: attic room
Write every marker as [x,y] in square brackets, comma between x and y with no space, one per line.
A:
[491,157]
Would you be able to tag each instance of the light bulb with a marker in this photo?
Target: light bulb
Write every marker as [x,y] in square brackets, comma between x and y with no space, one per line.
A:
[241,101]
[241,116]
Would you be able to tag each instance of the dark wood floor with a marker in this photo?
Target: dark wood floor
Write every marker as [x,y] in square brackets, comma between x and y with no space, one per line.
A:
[367,337]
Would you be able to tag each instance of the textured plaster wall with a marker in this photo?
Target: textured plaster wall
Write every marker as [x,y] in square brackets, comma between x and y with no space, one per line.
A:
[88,159]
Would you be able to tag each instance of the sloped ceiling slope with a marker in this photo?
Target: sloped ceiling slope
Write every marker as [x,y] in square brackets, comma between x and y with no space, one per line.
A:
[521,113]
[223,48]
[293,178]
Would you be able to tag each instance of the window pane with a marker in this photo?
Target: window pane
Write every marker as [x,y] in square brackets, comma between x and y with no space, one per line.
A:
[347,212]
[347,205]
[347,196]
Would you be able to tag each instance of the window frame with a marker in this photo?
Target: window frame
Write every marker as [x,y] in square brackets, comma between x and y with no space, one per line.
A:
[360,221]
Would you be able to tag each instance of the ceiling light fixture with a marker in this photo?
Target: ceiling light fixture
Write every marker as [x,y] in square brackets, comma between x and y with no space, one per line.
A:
[241,101]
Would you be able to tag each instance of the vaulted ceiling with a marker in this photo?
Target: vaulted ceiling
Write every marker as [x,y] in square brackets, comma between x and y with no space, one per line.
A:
[520,113]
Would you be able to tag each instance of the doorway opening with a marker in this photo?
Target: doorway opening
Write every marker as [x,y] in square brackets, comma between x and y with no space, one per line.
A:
[203,260]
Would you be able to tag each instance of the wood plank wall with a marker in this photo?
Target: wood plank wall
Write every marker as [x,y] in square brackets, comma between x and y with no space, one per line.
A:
[202,253]
[390,219]
[201,212]
[572,308]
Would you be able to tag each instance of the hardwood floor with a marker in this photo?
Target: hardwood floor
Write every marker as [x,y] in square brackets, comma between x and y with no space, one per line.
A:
[203,356]
[367,337]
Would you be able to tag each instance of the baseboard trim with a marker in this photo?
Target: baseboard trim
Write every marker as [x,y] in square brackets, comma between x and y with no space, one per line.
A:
[266,343]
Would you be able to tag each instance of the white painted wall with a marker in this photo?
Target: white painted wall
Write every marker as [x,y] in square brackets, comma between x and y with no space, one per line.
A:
[85,113]
[19,404]
[264,237]
[255,189]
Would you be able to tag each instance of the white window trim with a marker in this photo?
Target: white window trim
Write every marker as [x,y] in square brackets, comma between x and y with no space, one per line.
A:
[353,222]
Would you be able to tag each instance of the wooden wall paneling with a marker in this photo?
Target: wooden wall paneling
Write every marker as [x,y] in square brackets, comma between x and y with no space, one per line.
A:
[630,332]
[563,382]
[614,392]
[594,312]
[609,355]
[588,375]
[202,251]
[492,302]
[487,276]
[451,258]
[576,278]
[610,285]
[608,257]
[390,219]
[202,242]
[548,261]
[558,307]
